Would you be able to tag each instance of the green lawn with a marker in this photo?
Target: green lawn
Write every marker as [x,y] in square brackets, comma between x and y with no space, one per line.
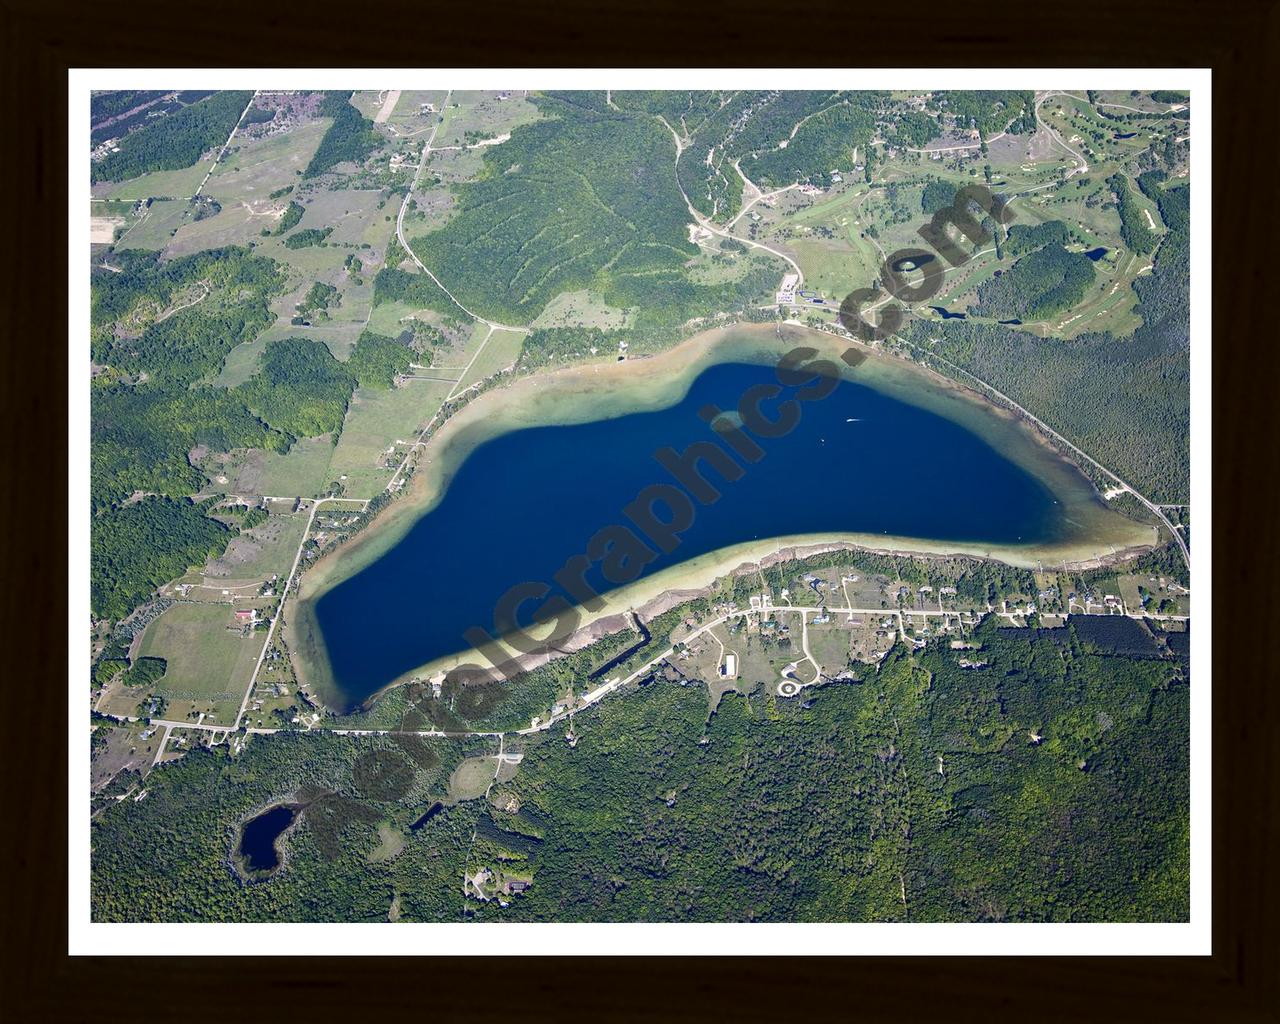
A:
[375,421]
[499,352]
[209,665]
[167,184]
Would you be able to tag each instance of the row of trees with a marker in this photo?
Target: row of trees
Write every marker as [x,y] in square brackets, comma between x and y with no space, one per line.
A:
[351,136]
[1041,284]
[174,141]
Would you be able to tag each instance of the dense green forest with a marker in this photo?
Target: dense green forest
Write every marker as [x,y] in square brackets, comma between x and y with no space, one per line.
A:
[751,126]
[176,140]
[1061,794]
[351,136]
[1042,283]
[937,195]
[103,105]
[1049,785]
[151,318]
[289,219]
[559,202]
[1134,229]
[144,672]
[146,413]
[141,437]
[990,110]
[825,142]
[376,361]
[1025,238]
[1129,401]
[186,833]
[307,237]
[300,388]
[137,547]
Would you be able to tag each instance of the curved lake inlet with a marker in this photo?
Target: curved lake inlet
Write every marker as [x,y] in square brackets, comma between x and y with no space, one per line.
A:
[523,503]
[258,850]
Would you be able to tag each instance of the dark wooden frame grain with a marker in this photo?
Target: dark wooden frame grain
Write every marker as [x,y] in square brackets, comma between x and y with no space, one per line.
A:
[41,39]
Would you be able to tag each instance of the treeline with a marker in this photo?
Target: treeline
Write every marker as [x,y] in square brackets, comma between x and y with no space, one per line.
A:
[822,144]
[1128,403]
[307,238]
[317,300]
[174,141]
[144,672]
[351,136]
[289,219]
[104,105]
[376,360]
[1062,796]
[558,202]
[549,345]
[137,547]
[990,110]
[1134,227]
[1041,284]
[418,290]
[1024,238]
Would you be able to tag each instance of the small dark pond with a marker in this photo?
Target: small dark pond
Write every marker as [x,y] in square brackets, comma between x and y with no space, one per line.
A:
[432,811]
[911,262]
[258,839]
[947,314]
[1096,254]
[1125,135]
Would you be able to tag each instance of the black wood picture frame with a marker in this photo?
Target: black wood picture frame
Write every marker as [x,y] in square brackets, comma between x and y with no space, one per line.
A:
[1240,981]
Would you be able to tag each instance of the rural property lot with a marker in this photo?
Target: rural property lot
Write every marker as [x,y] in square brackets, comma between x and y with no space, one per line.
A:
[376,420]
[208,664]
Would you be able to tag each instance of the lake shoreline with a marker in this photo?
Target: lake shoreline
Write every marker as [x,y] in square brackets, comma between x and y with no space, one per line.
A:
[587,393]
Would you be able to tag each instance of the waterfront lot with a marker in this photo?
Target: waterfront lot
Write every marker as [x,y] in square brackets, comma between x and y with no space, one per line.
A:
[376,422]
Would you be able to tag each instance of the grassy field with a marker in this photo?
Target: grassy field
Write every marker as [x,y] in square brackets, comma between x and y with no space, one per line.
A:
[350,212]
[375,421]
[162,184]
[260,553]
[471,778]
[482,115]
[257,167]
[234,225]
[209,664]
[500,351]
[582,309]
[153,229]
[407,115]
[302,472]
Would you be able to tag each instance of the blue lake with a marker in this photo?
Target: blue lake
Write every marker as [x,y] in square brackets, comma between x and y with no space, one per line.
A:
[258,839]
[521,504]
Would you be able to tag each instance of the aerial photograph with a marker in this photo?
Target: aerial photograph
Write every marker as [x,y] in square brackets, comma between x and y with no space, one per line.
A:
[636,506]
